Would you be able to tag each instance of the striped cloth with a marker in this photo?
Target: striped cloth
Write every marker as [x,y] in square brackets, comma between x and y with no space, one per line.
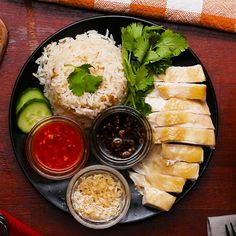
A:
[217,14]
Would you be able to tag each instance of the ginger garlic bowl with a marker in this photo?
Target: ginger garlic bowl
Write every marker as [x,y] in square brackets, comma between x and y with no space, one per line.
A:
[98,196]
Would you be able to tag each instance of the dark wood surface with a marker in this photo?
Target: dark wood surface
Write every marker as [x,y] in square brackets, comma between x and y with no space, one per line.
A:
[30,23]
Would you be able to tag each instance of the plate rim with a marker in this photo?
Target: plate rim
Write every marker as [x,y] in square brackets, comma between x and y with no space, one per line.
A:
[150,22]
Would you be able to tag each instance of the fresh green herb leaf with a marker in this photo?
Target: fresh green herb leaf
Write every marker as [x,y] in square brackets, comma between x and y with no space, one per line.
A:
[84,67]
[151,57]
[140,48]
[135,29]
[171,44]
[154,37]
[156,28]
[143,79]
[147,51]
[81,80]
[160,67]
[127,40]
[92,83]
[142,106]
[76,82]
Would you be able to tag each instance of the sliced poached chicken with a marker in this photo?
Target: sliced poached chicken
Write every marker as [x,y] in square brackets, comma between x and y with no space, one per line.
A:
[187,74]
[155,163]
[181,90]
[177,104]
[152,196]
[162,182]
[198,136]
[156,198]
[181,152]
[183,119]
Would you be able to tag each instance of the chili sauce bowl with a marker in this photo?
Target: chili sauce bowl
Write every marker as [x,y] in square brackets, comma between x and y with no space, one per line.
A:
[98,196]
[56,147]
[120,137]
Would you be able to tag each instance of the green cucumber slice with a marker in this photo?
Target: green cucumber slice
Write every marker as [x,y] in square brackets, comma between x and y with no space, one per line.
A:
[32,112]
[27,95]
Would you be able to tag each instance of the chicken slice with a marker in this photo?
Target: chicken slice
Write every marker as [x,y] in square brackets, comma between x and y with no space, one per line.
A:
[181,169]
[156,180]
[181,152]
[183,119]
[139,180]
[152,196]
[155,163]
[156,198]
[184,135]
[183,90]
[166,183]
[177,104]
[187,74]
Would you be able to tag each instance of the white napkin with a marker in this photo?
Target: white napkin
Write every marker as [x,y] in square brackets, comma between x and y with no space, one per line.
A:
[216,225]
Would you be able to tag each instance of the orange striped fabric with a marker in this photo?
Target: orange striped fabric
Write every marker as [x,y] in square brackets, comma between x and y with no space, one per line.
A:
[217,14]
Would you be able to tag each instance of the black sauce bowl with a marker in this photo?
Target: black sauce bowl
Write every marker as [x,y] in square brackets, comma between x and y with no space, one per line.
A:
[126,125]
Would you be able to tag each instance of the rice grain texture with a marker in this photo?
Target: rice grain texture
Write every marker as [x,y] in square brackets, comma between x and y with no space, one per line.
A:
[89,48]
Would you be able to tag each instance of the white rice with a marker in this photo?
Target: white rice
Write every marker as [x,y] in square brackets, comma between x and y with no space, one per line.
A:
[88,48]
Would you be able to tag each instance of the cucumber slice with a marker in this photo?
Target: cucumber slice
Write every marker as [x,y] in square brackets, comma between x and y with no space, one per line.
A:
[27,95]
[32,112]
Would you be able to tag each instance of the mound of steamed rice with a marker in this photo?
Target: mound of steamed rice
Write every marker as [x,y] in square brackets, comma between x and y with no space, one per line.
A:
[89,48]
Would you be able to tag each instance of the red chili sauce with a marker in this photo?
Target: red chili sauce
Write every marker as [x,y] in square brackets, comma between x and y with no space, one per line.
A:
[58,146]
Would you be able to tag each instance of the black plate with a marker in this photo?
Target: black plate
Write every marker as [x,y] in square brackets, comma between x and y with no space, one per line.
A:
[55,191]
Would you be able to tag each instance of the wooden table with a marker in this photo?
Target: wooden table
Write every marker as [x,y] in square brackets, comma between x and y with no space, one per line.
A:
[29,23]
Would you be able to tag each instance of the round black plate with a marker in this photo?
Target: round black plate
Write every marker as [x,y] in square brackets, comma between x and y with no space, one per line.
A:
[55,191]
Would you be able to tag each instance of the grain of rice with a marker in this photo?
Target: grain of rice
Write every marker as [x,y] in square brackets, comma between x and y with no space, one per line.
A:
[89,48]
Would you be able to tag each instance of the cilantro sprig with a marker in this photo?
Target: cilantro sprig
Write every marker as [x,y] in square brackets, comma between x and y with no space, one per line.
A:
[147,50]
[81,80]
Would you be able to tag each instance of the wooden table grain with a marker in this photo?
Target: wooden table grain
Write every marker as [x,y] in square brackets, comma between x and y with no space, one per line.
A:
[30,23]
